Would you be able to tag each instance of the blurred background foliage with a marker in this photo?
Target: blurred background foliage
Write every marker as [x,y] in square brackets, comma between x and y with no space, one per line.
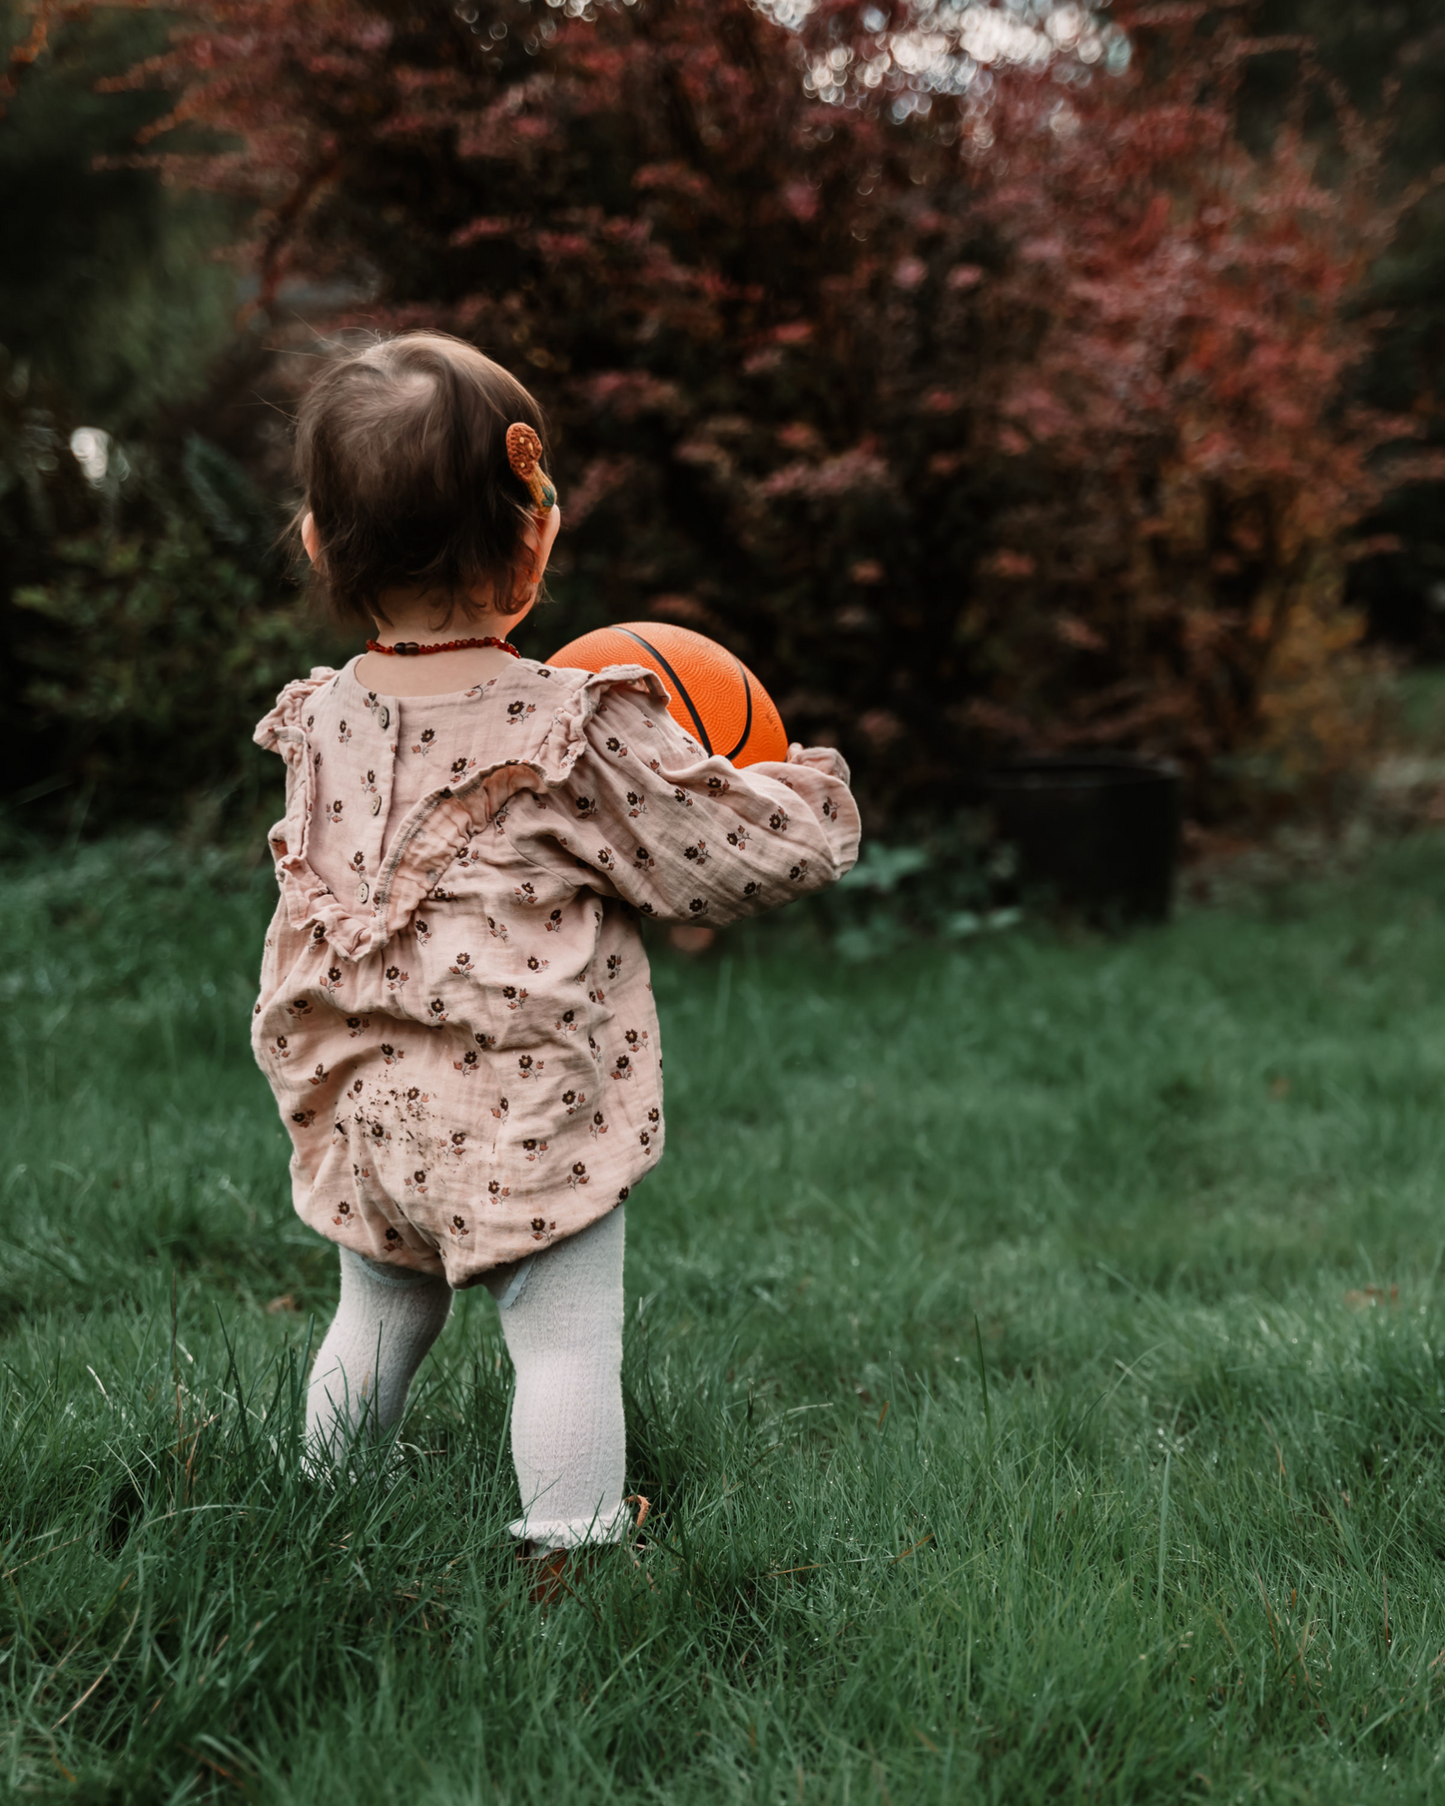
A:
[1390,59]
[110,290]
[993,378]
[144,620]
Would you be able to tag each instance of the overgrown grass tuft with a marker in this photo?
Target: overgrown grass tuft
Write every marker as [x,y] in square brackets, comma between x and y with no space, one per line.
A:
[1035,1352]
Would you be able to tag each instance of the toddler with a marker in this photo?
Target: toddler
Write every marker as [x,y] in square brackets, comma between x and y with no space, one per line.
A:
[455,1014]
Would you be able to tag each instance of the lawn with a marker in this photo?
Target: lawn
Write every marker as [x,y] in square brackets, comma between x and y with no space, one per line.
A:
[1036,1355]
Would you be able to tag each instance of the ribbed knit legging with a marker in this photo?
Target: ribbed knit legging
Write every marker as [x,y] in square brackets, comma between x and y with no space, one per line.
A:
[562,1319]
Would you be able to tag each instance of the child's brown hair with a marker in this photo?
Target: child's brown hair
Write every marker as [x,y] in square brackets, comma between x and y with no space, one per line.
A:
[401,451]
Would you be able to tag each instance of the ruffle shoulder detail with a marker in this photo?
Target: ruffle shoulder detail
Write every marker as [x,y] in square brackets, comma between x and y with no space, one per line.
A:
[566,738]
[287,712]
[429,839]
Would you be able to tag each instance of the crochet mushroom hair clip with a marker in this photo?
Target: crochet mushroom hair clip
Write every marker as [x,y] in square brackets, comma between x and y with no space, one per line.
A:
[524,454]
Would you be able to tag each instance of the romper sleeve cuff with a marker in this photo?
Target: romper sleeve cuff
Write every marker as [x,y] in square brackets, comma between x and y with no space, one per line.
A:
[826,759]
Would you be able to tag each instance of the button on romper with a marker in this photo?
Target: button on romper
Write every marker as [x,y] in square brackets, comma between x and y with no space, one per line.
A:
[455,1012]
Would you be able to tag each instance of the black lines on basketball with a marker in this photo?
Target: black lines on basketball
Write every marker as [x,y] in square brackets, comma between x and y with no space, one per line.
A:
[748,722]
[679,689]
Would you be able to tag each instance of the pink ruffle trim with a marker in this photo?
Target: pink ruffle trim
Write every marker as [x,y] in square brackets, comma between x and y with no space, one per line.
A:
[430,838]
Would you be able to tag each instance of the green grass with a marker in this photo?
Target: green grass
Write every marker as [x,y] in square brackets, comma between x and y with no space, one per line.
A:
[1187,1543]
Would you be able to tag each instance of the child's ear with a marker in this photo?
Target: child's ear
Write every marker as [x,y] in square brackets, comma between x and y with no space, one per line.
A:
[310,538]
[541,543]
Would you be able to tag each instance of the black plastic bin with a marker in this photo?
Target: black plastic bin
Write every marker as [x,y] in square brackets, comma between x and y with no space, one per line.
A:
[1100,833]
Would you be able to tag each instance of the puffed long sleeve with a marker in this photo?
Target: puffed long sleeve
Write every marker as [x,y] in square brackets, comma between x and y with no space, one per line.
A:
[689,838]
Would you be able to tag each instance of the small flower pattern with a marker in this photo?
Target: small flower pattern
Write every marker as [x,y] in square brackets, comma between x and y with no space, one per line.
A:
[455,1012]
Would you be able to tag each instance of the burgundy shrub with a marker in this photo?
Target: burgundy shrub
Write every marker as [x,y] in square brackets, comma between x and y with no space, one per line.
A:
[1006,415]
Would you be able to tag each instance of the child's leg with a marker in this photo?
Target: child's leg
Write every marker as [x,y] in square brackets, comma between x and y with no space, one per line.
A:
[387,1320]
[564,1334]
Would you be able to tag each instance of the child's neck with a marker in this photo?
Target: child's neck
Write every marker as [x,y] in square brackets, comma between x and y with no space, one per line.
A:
[436,673]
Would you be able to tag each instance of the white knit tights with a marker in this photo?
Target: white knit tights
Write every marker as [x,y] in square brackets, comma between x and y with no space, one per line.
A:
[562,1319]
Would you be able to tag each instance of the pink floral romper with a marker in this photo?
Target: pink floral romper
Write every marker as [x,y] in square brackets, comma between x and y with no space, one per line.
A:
[455,1012]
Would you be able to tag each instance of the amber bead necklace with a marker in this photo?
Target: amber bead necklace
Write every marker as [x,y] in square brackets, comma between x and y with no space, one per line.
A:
[410,648]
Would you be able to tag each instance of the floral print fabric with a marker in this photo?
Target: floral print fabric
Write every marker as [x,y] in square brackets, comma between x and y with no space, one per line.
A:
[455,1013]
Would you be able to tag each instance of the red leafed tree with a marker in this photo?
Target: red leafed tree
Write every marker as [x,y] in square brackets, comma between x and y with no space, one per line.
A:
[981,390]
[1172,569]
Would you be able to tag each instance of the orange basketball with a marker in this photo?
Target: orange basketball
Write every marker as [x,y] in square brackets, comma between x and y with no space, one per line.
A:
[715,698]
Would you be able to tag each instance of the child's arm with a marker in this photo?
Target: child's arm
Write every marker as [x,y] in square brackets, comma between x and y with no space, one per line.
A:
[688,838]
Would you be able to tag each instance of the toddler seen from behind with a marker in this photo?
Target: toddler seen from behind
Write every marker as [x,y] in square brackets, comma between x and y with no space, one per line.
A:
[455,1013]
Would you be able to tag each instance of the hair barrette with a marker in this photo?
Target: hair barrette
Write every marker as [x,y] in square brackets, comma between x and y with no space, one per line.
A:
[524,454]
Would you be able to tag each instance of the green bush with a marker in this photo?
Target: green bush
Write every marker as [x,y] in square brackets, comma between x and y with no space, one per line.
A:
[184,650]
[148,624]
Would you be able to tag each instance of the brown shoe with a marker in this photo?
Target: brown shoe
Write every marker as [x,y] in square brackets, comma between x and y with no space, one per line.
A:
[552,1571]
